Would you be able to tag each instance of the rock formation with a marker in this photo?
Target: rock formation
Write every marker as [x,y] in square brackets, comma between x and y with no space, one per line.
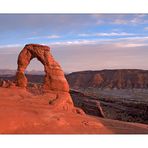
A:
[24,113]
[54,76]
[118,79]
[6,83]
[54,84]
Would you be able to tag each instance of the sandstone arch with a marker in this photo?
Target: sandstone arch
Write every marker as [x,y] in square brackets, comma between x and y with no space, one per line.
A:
[54,77]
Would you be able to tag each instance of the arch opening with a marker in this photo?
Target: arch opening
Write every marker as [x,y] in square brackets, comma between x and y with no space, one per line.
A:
[35,71]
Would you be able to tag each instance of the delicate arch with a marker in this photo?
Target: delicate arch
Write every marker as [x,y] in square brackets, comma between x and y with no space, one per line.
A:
[54,76]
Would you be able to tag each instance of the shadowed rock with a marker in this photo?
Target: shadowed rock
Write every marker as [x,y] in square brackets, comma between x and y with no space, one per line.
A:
[112,79]
[90,106]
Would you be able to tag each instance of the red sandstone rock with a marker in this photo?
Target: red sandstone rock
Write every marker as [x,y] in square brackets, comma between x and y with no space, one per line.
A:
[54,76]
[23,113]
[6,83]
[55,85]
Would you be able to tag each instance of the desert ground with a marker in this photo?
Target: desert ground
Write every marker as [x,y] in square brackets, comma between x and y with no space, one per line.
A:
[24,113]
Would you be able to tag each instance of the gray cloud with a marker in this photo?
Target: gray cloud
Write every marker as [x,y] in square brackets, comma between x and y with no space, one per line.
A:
[53,21]
[106,34]
[53,36]
[121,19]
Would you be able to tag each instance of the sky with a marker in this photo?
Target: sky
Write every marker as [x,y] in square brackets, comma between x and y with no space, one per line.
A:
[77,41]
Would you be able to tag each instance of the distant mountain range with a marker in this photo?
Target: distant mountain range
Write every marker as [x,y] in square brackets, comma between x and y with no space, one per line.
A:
[13,72]
[117,79]
[114,79]
[7,72]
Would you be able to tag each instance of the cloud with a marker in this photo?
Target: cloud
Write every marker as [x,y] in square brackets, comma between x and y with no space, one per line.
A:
[106,34]
[130,45]
[99,22]
[145,28]
[76,48]
[26,28]
[133,41]
[120,19]
[38,22]
[44,37]
[74,42]
[10,45]
[53,36]
[129,41]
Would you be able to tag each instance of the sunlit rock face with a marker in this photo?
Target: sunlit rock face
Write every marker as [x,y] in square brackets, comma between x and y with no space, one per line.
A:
[54,79]
[54,76]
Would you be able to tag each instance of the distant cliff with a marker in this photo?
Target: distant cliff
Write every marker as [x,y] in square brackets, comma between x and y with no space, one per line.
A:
[120,79]
[10,72]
